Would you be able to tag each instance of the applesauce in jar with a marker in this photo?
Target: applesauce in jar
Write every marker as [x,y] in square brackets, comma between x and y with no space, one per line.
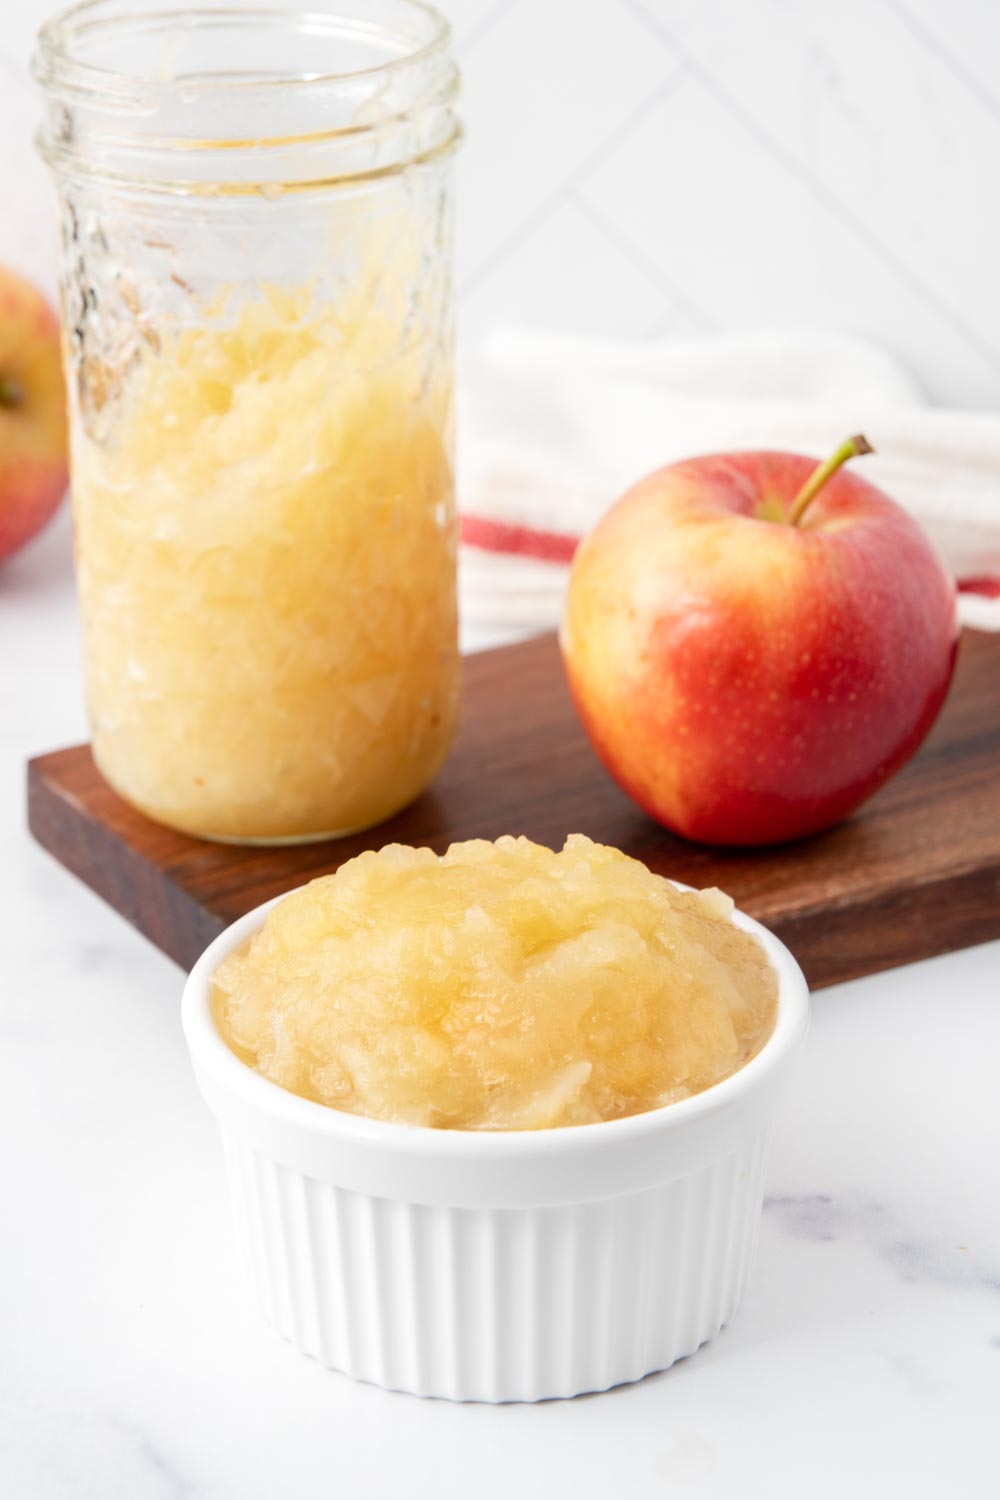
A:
[256,294]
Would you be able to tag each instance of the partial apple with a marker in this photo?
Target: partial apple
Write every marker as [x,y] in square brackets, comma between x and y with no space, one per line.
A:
[755,643]
[33,441]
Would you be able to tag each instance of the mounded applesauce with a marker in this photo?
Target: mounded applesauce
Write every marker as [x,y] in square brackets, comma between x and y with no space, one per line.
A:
[497,987]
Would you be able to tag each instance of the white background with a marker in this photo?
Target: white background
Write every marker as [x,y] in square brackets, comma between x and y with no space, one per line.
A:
[642,167]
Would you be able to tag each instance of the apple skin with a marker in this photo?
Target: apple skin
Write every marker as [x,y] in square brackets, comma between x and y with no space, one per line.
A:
[748,681]
[33,437]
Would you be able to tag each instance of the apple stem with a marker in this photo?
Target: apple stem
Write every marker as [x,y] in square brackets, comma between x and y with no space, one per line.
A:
[11,392]
[852,447]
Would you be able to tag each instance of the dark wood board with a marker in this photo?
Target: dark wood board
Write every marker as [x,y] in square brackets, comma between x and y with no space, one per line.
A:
[913,873]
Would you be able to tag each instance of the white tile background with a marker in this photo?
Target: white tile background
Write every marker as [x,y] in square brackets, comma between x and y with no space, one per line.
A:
[639,167]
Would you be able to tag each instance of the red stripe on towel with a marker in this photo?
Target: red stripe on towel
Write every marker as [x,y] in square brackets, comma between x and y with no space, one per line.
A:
[516,541]
[558,547]
[988,587]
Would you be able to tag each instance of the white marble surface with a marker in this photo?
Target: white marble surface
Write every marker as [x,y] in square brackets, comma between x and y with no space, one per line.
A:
[865,1360]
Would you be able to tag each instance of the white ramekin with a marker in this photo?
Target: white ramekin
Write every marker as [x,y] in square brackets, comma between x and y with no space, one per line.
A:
[495,1266]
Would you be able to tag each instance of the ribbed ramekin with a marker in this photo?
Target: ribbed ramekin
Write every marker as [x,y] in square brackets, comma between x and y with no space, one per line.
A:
[495,1266]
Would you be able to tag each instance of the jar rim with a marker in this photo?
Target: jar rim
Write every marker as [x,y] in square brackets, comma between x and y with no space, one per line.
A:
[55,61]
[229,97]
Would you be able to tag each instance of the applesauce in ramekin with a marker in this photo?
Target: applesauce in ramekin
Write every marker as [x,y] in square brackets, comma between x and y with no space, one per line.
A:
[501,986]
[491,1264]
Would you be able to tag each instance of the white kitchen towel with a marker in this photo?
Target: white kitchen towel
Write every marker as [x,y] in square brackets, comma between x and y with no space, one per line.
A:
[554,429]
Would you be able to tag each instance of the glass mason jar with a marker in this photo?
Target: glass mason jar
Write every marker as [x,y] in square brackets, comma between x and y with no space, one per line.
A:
[255,268]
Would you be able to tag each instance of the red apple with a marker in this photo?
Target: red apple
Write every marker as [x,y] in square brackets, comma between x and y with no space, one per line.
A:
[33,473]
[755,644]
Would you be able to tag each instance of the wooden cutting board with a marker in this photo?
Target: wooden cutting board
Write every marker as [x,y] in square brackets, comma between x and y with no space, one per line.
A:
[914,873]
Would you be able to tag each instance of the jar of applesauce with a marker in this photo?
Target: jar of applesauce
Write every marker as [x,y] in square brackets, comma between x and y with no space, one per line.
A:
[255,207]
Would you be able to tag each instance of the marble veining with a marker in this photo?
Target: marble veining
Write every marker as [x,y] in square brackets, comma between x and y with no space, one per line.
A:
[160,1465]
[825,1219]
